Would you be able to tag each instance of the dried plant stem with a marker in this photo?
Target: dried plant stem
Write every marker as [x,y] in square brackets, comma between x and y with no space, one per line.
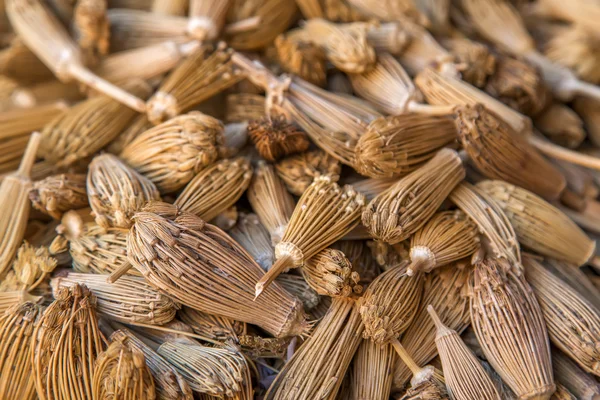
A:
[427,383]
[371,377]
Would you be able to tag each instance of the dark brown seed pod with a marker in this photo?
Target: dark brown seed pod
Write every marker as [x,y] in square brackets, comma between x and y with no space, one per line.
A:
[299,171]
[330,273]
[476,61]
[274,137]
[57,194]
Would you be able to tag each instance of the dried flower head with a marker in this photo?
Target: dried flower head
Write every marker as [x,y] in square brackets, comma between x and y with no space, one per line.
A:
[274,137]
[91,29]
[57,194]
[330,273]
[33,265]
[297,286]
[299,171]
[303,59]
[255,239]
[212,326]
[427,383]
[359,255]
[475,60]
[562,125]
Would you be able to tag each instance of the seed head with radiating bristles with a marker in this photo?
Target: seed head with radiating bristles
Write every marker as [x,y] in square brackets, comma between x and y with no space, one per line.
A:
[298,172]
[475,60]
[561,125]
[59,193]
[274,137]
[33,264]
[255,239]
[330,273]
[212,326]
[302,59]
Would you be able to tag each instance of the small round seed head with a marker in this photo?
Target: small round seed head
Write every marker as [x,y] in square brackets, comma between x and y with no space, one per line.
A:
[31,262]
[299,171]
[275,138]
[330,273]
[59,193]
[301,59]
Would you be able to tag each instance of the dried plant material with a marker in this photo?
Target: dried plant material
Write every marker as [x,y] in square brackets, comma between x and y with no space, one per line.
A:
[242,107]
[46,93]
[577,381]
[359,255]
[325,212]
[138,126]
[330,273]
[401,210]
[199,77]
[201,267]
[395,146]
[587,109]
[317,369]
[499,152]
[19,63]
[120,372]
[371,366]
[506,317]
[372,187]
[65,344]
[14,200]
[390,10]
[33,265]
[207,18]
[255,239]
[91,29]
[390,38]
[257,347]
[215,188]
[333,10]
[87,127]
[16,326]
[299,171]
[562,394]
[297,286]
[212,326]
[57,194]
[172,153]
[303,59]
[437,13]
[465,376]
[574,277]
[580,12]
[274,137]
[11,298]
[475,60]
[562,125]
[427,383]
[170,7]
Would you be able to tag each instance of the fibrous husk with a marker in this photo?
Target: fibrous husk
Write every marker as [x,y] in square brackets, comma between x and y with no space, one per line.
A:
[401,210]
[539,225]
[65,344]
[562,393]
[130,300]
[255,239]
[271,201]
[201,267]
[371,366]
[299,171]
[330,273]
[215,188]
[57,194]
[212,326]
[120,372]
[301,58]
[172,153]
[395,146]
[500,152]
[437,13]
[33,265]
[390,10]
[576,380]
[91,29]
[170,7]
[475,61]
[506,318]
[297,286]
[243,107]
[274,137]
[11,298]
[562,125]
[19,63]
[389,37]
[359,255]
[207,18]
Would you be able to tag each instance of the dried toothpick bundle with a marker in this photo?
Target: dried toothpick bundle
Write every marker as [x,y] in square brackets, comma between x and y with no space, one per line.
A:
[465,376]
[120,372]
[475,60]
[406,206]
[330,273]
[502,153]
[448,236]
[130,300]
[16,326]
[297,286]
[57,194]
[203,74]
[323,215]
[172,153]
[241,107]
[91,29]
[395,146]
[301,58]
[270,199]
[255,239]
[371,377]
[274,137]
[13,298]
[562,125]
[214,327]
[584,386]
[506,317]
[116,191]
[299,171]
[539,225]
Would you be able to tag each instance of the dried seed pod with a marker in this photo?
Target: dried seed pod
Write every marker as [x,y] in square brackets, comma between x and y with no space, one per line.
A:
[333,10]
[19,63]
[67,324]
[371,378]
[91,29]
[574,277]
[299,288]
[390,10]
[475,60]
[201,267]
[465,376]
[448,236]
[274,137]
[539,225]
[300,58]
[401,210]
[32,265]
[562,394]
[138,126]
[561,125]
[16,326]
[330,273]
[427,382]
[46,93]
[506,317]
[130,300]
[299,171]
[372,187]
[199,77]
[120,372]
[577,381]
[212,326]
[13,298]
[587,109]
[87,127]
[255,239]
[437,13]
[244,107]
[359,255]
[338,210]
[391,38]
[395,146]
[57,194]
[172,153]
[169,7]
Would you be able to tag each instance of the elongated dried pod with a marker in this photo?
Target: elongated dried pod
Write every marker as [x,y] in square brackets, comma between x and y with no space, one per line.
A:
[203,74]
[330,273]
[389,37]
[69,323]
[500,152]
[303,59]
[19,63]
[539,225]
[506,317]
[46,93]
[562,393]
[41,31]
[14,199]
[390,10]
[578,12]
[172,153]
[338,210]
[91,29]
[255,239]
[562,125]
[401,210]
[372,187]
[215,188]
[476,61]
[576,380]
[298,172]
[371,366]
[207,18]
[120,372]
[395,146]
[297,286]
[587,109]
[274,137]
[138,126]
[242,107]
[212,326]
[427,383]
[574,277]
[57,194]
[465,376]
[13,298]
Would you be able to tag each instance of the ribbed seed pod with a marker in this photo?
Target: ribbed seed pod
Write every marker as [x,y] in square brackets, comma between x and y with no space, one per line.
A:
[172,153]
[91,29]
[448,236]
[371,377]
[215,188]
[199,77]
[330,273]
[323,215]
[255,239]
[372,187]
[65,344]
[120,372]
[116,191]
[130,300]
[87,127]
[274,137]
[57,194]
[397,213]
[212,326]
[303,59]
[465,377]
[333,10]
[297,286]
[476,60]
[13,298]
[539,225]
[138,126]
[562,125]
[270,200]
[201,267]
[573,323]
[241,107]
[500,152]
[577,381]
[562,393]
[576,278]
[506,318]
[299,171]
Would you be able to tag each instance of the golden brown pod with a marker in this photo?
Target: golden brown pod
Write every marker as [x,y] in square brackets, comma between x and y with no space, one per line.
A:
[427,383]
[57,194]
[333,10]
[214,327]
[330,273]
[476,61]
[300,58]
[562,125]
[299,171]
[390,10]
[576,380]
[172,153]
[372,187]
[91,29]
[397,213]
[371,366]
[274,137]
[359,254]
[254,238]
[138,126]
[576,278]
[11,298]
[19,63]
[241,107]
[33,265]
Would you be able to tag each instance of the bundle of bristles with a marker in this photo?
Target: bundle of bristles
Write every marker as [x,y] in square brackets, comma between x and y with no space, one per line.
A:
[300,200]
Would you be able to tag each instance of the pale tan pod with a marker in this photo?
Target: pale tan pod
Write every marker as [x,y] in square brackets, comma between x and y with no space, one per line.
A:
[298,172]
[567,373]
[19,63]
[330,273]
[57,194]
[576,278]
[391,37]
[371,366]
[254,238]
[562,125]
[212,326]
